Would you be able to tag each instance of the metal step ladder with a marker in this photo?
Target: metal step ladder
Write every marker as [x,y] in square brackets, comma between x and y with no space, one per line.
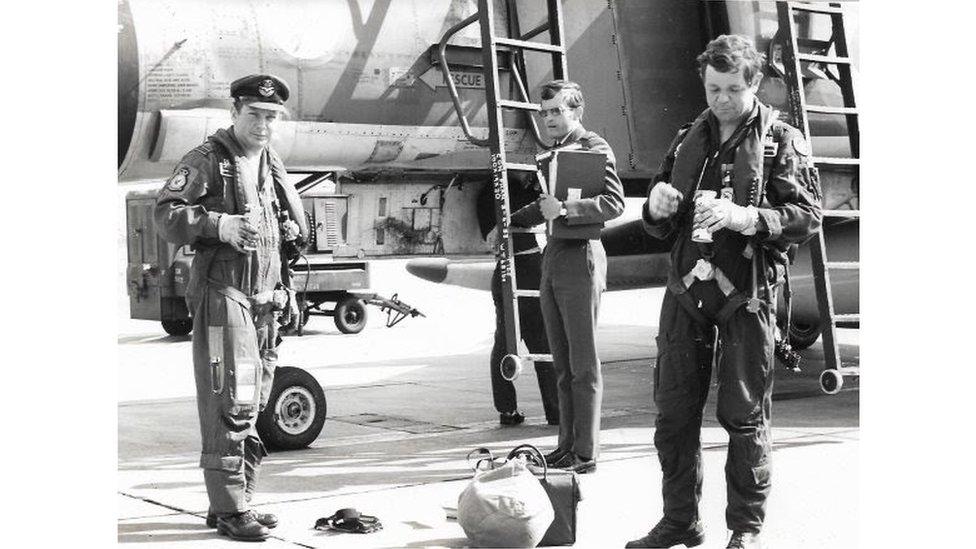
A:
[832,378]
[494,46]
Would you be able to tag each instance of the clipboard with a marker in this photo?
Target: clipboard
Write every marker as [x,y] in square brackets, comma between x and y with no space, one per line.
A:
[574,174]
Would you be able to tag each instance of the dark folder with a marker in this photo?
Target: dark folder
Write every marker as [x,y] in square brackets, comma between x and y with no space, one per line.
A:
[575,174]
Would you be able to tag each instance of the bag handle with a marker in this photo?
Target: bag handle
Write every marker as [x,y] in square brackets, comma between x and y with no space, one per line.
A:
[532,454]
[491,459]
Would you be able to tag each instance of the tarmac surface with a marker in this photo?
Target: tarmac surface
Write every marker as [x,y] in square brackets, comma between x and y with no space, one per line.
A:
[406,404]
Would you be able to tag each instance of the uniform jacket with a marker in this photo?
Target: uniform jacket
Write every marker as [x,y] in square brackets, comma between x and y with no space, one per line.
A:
[598,209]
[203,187]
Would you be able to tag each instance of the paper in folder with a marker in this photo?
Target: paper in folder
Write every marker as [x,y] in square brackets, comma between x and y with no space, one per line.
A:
[575,174]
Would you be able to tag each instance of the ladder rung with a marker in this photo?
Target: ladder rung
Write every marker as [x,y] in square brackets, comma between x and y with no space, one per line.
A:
[843,265]
[813,43]
[836,161]
[526,45]
[521,167]
[847,321]
[538,357]
[823,59]
[815,9]
[849,214]
[532,230]
[526,293]
[508,104]
[831,110]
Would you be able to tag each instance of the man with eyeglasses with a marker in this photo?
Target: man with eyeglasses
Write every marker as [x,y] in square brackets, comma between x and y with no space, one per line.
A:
[574,274]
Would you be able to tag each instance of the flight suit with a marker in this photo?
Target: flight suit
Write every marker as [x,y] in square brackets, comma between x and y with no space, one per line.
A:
[528,271]
[574,275]
[788,202]
[234,333]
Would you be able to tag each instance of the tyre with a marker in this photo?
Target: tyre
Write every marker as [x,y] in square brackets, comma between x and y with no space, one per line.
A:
[295,412]
[350,315]
[831,381]
[177,326]
[804,334]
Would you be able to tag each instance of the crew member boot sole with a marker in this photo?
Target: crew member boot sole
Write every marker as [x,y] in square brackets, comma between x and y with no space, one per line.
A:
[693,541]
[224,531]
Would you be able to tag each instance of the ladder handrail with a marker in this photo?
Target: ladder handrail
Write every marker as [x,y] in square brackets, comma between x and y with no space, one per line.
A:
[452,90]
[456,98]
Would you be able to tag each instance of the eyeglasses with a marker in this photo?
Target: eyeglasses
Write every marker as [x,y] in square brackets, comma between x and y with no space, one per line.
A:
[556,111]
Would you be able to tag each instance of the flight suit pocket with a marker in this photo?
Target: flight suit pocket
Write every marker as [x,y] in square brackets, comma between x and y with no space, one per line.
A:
[676,364]
[236,365]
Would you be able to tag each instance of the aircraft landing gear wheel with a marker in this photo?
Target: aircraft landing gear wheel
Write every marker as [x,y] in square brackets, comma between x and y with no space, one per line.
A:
[177,326]
[511,367]
[295,412]
[350,315]
[831,381]
[803,334]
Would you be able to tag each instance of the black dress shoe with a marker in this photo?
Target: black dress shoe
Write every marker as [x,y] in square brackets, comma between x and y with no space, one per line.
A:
[667,533]
[242,527]
[572,462]
[268,520]
[744,540]
[554,456]
[511,418]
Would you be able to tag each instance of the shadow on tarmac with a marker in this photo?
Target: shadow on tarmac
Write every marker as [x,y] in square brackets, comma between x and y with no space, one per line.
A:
[151,532]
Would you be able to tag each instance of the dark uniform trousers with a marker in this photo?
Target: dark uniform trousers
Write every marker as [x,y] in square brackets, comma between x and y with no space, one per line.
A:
[527,273]
[574,275]
[745,386]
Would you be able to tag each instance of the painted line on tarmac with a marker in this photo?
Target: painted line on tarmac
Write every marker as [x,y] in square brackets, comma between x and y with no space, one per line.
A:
[180,511]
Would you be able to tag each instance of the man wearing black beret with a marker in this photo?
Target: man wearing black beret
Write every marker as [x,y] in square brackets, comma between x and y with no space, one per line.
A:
[230,201]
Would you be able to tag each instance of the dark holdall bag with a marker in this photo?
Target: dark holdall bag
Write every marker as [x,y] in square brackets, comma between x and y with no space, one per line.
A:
[564,493]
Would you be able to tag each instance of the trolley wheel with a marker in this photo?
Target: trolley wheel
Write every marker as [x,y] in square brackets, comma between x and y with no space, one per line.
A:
[295,412]
[831,381]
[177,326]
[511,367]
[804,334]
[350,315]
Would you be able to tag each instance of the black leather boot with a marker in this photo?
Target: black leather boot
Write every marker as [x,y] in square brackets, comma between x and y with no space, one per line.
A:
[744,540]
[242,526]
[268,520]
[667,533]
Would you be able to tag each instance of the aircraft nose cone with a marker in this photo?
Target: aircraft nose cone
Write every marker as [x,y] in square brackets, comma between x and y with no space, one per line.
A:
[434,270]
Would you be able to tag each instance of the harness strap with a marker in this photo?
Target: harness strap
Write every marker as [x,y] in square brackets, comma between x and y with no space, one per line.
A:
[231,293]
[680,292]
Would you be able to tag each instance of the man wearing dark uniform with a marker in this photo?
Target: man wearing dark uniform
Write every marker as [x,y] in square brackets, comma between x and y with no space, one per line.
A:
[574,275]
[727,260]
[229,200]
[528,271]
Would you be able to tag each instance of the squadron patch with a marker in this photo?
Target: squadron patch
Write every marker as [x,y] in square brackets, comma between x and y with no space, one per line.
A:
[267,88]
[800,145]
[178,180]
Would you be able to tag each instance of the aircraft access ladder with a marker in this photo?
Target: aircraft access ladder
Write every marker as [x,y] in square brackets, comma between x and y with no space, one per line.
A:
[832,377]
[493,46]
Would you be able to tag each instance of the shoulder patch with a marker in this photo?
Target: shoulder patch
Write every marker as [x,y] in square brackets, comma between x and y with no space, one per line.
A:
[800,144]
[179,178]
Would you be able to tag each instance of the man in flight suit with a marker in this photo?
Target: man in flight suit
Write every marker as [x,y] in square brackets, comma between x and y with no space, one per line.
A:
[229,200]
[528,271]
[766,199]
[574,275]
